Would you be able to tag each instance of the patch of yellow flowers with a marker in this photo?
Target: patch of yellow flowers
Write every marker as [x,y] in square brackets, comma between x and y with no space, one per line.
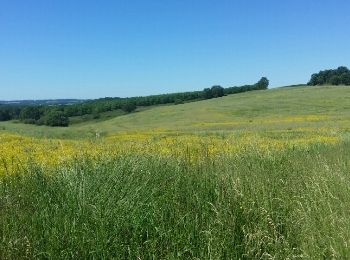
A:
[17,151]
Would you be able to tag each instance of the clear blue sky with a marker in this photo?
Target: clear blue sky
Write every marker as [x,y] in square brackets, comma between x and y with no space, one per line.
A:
[90,49]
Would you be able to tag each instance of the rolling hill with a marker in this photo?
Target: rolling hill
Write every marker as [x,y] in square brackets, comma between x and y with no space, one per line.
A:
[274,109]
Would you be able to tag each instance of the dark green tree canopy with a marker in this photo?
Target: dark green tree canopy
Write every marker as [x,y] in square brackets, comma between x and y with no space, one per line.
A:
[213,92]
[56,118]
[263,83]
[217,91]
[129,107]
[339,76]
[31,112]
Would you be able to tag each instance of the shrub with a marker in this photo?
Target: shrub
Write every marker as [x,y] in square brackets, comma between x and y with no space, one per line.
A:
[56,118]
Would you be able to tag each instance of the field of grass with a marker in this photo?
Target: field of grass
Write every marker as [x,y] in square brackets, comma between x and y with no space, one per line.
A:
[263,174]
[275,109]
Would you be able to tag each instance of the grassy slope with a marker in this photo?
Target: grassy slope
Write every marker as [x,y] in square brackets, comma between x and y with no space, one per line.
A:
[272,109]
[281,205]
[284,108]
[293,204]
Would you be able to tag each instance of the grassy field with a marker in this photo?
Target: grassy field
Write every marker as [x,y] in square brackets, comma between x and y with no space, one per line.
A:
[275,109]
[255,175]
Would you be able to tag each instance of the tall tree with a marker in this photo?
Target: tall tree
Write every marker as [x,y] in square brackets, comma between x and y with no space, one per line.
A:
[217,91]
[263,83]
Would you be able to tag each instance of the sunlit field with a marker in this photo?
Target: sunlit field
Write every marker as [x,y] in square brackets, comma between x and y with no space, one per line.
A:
[17,151]
[216,183]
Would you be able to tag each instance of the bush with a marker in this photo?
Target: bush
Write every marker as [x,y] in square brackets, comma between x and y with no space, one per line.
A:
[56,118]
[178,102]
[30,112]
[128,107]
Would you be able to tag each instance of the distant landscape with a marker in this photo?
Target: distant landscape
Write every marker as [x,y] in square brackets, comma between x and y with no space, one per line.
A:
[58,115]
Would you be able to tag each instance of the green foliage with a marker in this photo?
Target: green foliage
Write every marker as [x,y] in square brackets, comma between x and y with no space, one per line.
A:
[263,83]
[56,118]
[178,102]
[4,115]
[345,78]
[282,205]
[217,91]
[129,107]
[339,76]
[213,92]
[335,80]
[207,94]
[31,112]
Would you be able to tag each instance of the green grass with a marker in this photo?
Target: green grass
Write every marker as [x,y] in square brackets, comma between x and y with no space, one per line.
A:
[253,111]
[92,118]
[291,204]
[285,204]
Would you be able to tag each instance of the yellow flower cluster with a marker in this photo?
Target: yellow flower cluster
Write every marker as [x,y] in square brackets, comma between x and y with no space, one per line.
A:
[17,151]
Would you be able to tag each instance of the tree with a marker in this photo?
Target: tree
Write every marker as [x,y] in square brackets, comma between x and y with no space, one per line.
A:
[207,93]
[178,101]
[4,115]
[56,118]
[129,107]
[338,76]
[314,80]
[30,112]
[217,91]
[263,83]
[335,80]
[345,78]
[342,69]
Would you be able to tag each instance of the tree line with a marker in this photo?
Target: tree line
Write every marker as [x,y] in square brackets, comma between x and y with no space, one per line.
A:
[58,115]
[339,76]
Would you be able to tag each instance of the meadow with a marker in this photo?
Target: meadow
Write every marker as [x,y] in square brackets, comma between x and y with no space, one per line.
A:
[255,175]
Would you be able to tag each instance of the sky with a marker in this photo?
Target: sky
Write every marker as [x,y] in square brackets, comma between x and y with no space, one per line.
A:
[110,48]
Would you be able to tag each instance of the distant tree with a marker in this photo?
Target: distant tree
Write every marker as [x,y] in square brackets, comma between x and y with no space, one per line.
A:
[338,76]
[96,115]
[31,112]
[334,80]
[129,107]
[178,101]
[217,91]
[207,93]
[342,69]
[4,115]
[263,83]
[345,78]
[314,80]
[56,118]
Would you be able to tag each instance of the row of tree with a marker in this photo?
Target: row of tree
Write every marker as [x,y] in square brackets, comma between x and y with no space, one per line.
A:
[59,115]
[40,115]
[339,76]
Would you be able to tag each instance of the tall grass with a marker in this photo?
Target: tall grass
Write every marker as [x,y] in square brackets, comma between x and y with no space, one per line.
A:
[290,204]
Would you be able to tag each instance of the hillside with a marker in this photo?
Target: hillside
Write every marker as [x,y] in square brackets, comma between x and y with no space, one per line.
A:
[274,109]
[258,174]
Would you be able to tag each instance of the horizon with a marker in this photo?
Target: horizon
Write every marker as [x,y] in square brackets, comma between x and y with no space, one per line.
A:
[83,99]
[84,50]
